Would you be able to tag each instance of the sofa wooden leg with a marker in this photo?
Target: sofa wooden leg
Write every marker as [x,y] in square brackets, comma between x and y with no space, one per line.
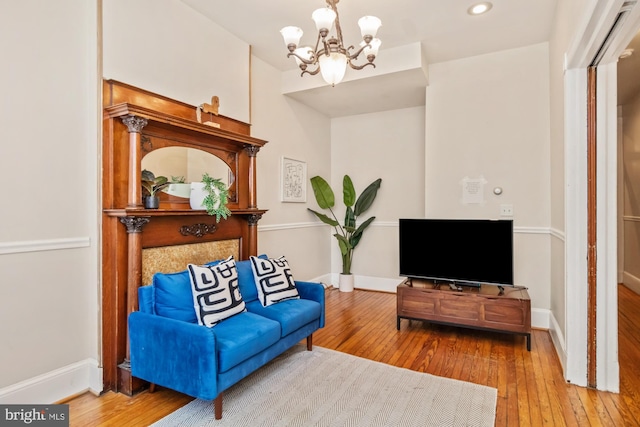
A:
[310,342]
[217,407]
[152,387]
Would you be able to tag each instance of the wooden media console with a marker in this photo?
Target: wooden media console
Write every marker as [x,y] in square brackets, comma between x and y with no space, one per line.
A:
[486,307]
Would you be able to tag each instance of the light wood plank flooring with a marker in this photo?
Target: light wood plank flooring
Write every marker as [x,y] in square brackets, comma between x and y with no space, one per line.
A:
[531,388]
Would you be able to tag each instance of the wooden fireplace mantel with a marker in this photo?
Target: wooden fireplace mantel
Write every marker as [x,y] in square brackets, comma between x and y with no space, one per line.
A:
[135,123]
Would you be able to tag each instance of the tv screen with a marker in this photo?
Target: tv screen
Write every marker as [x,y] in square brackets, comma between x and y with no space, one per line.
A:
[462,251]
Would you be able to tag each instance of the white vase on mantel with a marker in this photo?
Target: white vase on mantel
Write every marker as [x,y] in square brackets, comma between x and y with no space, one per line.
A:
[346,282]
[197,195]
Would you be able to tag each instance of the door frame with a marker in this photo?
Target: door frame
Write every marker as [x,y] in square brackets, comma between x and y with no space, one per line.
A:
[590,38]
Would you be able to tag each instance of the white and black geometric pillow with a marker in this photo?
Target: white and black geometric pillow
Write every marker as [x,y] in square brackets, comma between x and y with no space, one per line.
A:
[274,280]
[215,292]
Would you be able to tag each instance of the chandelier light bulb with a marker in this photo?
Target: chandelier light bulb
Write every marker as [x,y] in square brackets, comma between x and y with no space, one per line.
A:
[333,67]
[291,36]
[324,18]
[369,26]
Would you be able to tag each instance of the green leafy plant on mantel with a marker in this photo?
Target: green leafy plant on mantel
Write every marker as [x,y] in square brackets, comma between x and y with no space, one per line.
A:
[215,202]
[348,234]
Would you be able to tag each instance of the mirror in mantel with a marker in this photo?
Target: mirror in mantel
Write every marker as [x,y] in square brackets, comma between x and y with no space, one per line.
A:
[187,163]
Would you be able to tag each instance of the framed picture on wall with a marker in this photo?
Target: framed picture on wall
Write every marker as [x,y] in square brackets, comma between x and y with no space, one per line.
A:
[293,181]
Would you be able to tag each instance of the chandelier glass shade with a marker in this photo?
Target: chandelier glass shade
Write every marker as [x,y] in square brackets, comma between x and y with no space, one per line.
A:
[330,57]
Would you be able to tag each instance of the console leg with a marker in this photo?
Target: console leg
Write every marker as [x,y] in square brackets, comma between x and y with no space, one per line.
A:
[398,323]
[528,342]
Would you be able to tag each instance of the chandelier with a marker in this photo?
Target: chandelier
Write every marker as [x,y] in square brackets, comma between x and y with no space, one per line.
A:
[330,57]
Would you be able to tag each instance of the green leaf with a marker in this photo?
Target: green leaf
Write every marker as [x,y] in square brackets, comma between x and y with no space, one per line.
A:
[332,222]
[367,197]
[357,235]
[152,184]
[349,219]
[323,192]
[215,202]
[148,186]
[344,244]
[147,175]
[348,191]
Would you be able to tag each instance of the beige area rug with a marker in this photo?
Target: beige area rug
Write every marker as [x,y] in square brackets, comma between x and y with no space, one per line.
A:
[328,388]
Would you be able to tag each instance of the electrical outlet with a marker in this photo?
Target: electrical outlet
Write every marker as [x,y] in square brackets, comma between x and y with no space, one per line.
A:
[506,211]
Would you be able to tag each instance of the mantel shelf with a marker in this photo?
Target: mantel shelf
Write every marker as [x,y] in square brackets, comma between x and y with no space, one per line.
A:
[175,212]
[124,109]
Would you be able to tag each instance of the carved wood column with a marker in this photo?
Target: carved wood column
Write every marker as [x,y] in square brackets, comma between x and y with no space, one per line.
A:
[253,233]
[134,125]
[252,151]
[134,227]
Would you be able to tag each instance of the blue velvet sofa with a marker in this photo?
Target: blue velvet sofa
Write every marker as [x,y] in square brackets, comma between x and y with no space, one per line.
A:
[169,348]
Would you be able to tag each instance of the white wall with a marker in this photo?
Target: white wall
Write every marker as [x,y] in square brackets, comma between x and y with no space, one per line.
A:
[387,145]
[488,116]
[301,133]
[167,47]
[49,233]
[563,29]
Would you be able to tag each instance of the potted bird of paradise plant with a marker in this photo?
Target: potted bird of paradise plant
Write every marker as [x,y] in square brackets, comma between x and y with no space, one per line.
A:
[349,233]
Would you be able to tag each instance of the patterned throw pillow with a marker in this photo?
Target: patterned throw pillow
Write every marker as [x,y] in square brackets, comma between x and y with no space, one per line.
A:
[215,291]
[274,280]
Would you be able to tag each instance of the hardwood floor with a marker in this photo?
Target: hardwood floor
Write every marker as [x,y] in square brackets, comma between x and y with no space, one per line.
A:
[531,388]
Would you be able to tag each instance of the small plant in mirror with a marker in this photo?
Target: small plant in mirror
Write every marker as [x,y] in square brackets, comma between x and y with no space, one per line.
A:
[215,202]
[151,184]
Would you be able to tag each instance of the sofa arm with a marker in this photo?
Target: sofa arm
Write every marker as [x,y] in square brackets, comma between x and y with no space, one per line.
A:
[315,292]
[174,354]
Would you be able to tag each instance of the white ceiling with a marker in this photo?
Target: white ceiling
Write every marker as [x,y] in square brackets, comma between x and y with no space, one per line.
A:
[443,27]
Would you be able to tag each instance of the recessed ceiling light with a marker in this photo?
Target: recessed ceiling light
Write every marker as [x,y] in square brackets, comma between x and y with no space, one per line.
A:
[480,8]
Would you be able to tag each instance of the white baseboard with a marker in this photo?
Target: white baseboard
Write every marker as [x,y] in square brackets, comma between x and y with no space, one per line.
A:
[558,341]
[540,318]
[368,283]
[56,385]
[325,279]
[632,282]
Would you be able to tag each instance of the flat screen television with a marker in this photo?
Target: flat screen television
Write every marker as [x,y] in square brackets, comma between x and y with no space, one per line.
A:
[458,251]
